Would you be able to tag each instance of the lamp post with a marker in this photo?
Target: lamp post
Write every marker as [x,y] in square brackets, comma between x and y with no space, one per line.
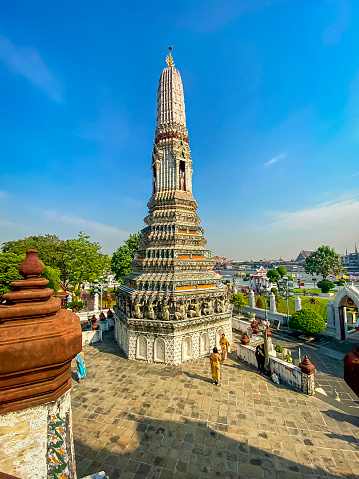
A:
[100,287]
[265,292]
[286,291]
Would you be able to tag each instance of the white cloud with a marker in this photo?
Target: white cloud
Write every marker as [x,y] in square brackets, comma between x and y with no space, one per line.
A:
[275,159]
[89,225]
[355,174]
[332,216]
[27,61]
[3,194]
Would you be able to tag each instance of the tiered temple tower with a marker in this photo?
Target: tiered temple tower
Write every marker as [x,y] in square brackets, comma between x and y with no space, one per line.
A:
[173,307]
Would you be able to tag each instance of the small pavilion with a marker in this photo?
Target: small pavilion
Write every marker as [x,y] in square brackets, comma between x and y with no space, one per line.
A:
[259,280]
[338,316]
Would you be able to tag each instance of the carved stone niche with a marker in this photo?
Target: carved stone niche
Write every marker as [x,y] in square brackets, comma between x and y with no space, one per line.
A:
[38,340]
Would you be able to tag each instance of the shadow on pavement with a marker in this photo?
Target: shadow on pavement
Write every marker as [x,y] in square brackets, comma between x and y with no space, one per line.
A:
[339,416]
[165,449]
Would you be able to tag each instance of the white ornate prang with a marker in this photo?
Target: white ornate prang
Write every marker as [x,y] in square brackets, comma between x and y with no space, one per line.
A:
[173,297]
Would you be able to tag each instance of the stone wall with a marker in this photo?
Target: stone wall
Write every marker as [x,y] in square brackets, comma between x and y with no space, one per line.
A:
[260,313]
[91,336]
[37,442]
[288,373]
[179,346]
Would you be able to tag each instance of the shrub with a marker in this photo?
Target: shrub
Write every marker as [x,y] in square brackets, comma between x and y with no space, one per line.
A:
[340,282]
[273,275]
[75,305]
[274,290]
[288,358]
[238,300]
[325,285]
[308,321]
[278,348]
[282,271]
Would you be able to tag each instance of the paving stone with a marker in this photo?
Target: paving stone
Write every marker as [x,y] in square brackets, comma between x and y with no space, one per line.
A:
[217,432]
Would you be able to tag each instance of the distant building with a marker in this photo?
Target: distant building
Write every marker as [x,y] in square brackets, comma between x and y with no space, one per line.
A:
[351,261]
[303,255]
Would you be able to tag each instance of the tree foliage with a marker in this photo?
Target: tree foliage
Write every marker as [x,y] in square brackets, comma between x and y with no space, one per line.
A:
[325,285]
[53,275]
[238,300]
[273,275]
[82,261]
[324,261]
[9,271]
[121,259]
[308,321]
[282,271]
[50,248]
[70,261]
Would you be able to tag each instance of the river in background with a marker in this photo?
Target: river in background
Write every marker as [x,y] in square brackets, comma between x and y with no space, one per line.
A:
[307,279]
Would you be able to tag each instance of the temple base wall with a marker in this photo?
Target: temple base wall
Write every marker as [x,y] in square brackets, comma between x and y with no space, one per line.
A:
[189,340]
[38,442]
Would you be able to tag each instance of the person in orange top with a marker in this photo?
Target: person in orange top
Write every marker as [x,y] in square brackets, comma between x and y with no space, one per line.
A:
[215,358]
[224,346]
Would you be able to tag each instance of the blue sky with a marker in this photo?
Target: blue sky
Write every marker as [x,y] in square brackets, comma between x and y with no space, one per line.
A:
[272,95]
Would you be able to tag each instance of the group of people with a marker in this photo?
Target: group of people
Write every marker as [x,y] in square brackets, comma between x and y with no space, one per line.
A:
[216,357]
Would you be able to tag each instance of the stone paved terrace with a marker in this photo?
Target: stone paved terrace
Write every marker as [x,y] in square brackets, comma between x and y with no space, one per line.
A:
[137,420]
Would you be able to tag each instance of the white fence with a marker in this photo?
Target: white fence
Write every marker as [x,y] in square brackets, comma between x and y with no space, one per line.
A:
[287,373]
[91,336]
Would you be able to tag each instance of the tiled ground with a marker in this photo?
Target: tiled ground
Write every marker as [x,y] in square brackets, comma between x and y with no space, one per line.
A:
[329,365]
[138,420]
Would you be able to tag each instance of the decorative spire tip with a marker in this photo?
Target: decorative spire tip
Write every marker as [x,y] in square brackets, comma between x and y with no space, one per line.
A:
[169,58]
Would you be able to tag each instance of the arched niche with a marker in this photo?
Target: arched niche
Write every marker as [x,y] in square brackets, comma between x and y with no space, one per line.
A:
[204,344]
[160,350]
[187,351]
[347,297]
[141,348]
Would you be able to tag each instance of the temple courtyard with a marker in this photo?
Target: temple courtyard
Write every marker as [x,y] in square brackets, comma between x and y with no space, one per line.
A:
[136,420]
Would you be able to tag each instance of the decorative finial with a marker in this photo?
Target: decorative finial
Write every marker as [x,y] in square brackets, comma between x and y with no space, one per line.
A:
[169,58]
[31,267]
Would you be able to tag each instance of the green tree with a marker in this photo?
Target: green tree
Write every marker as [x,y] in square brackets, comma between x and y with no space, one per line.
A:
[324,261]
[9,271]
[50,248]
[121,259]
[325,285]
[82,261]
[238,300]
[308,321]
[282,271]
[53,275]
[273,275]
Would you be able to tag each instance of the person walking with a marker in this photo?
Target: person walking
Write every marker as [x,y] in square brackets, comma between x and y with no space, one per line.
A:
[81,370]
[260,357]
[215,358]
[224,346]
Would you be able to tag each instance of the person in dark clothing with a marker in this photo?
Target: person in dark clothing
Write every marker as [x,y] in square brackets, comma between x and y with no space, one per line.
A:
[260,357]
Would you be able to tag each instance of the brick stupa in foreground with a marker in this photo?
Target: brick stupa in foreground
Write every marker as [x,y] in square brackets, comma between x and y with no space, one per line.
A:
[173,307]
